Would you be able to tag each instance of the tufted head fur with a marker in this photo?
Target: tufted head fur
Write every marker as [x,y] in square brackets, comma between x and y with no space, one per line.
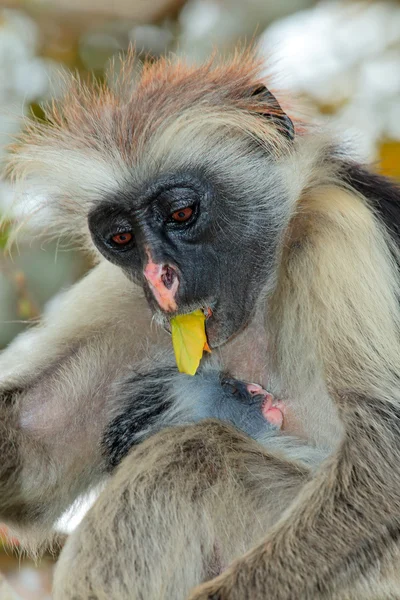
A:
[96,140]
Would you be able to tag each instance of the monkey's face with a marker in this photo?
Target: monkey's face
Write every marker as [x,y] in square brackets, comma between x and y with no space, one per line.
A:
[182,178]
[195,239]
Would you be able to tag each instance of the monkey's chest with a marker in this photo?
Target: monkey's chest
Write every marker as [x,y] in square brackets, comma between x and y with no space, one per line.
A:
[309,412]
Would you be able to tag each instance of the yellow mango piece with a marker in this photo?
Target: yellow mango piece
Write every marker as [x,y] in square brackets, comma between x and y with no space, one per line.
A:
[189,340]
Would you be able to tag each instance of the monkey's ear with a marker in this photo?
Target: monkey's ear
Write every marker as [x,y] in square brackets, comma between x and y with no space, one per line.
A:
[275,112]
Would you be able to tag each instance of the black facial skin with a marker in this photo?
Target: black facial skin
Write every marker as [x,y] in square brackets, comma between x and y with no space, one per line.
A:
[216,253]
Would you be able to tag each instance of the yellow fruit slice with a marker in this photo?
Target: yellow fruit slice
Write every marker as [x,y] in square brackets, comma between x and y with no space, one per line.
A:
[189,340]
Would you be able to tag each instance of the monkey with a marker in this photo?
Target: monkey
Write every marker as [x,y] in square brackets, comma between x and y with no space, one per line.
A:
[198,189]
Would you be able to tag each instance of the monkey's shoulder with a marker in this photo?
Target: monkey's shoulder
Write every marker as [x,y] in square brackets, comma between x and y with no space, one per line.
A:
[383,194]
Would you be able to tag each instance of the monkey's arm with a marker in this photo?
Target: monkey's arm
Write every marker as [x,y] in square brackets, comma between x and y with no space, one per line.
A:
[69,411]
[194,496]
[344,524]
[55,390]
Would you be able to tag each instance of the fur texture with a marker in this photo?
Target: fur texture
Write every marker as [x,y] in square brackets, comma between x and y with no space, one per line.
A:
[322,332]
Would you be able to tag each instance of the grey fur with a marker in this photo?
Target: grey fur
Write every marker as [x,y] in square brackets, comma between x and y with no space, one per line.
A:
[148,402]
[295,253]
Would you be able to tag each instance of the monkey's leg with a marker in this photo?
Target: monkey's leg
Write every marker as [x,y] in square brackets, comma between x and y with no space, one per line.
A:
[179,508]
[343,529]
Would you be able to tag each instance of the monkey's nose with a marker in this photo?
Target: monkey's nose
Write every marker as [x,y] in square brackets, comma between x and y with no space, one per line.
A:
[163,281]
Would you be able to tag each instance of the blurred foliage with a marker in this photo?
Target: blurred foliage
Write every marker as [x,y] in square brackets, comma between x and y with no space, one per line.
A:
[4,234]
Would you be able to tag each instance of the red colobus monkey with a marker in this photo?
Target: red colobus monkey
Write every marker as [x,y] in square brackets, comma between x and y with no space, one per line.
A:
[292,247]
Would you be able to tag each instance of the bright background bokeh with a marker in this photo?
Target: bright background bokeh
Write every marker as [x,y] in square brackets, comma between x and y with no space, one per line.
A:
[340,58]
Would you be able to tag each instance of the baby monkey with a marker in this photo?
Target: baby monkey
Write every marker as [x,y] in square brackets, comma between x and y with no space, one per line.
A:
[149,402]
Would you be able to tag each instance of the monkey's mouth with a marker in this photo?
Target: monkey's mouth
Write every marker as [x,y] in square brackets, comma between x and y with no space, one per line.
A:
[208,312]
[220,327]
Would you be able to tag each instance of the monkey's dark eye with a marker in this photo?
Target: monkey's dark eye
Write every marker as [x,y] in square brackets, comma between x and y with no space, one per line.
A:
[122,239]
[182,215]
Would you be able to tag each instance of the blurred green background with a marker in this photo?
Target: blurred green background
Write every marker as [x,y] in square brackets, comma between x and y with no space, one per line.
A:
[342,59]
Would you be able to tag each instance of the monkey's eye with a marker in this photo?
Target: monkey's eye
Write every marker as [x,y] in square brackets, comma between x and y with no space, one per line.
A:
[122,239]
[182,215]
